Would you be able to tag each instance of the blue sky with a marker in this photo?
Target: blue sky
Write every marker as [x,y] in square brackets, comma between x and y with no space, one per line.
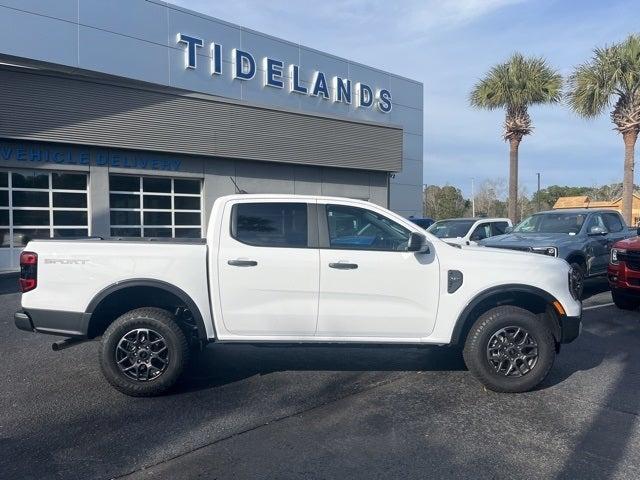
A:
[448,45]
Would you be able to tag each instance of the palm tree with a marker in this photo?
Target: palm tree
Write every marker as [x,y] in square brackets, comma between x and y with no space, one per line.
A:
[516,85]
[612,78]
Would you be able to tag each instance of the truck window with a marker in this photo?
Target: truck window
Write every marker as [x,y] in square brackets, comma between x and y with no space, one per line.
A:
[361,229]
[612,222]
[481,232]
[595,221]
[270,224]
[499,228]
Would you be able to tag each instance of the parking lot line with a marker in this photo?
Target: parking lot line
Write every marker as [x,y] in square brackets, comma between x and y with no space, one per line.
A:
[598,306]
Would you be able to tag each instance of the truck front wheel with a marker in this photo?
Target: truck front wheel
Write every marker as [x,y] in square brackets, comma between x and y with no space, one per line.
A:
[509,349]
[143,352]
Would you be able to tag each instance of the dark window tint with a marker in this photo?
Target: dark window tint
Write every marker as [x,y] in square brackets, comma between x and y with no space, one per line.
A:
[499,228]
[23,236]
[125,218]
[271,224]
[123,183]
[4,198]
[187,203]
[30,199]
[125,232]
[69,181]
[157,218]
[29,180]
[4,182]
[187,219]
[157,201]
[612,222]
[186,186]
[481,232]
[361,229]
[31,217]
[157,232]
[595,221]
[69,218]
[156,184]
[188,233]
[70,200]
[4,217]
[451,228]
[422,222]
[70,232]
[122,200]
[5,239]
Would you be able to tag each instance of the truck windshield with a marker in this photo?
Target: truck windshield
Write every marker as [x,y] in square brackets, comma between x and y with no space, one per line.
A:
[451,228]
[569,223]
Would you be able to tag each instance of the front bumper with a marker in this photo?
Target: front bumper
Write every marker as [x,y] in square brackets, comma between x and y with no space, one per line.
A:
[622,277]
[570,328]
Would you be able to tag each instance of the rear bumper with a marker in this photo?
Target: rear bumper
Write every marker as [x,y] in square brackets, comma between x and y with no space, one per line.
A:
[570,328]
[53,322]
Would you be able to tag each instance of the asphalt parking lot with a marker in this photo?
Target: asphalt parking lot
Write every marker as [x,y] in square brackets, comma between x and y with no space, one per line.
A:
[318,412]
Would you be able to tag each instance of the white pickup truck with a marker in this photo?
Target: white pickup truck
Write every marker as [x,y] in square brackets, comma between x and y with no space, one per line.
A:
[293,269]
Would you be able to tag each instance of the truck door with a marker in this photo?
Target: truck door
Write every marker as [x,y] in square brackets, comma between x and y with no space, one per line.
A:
[598,244]
[370,286]
[268,268]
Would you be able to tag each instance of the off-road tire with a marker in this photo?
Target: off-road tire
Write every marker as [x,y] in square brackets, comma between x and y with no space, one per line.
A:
[580,270]
[624,301]
[491,322]
[160,321]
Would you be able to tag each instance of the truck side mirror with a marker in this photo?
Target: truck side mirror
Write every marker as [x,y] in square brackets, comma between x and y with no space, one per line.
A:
[417,243]
[597,231]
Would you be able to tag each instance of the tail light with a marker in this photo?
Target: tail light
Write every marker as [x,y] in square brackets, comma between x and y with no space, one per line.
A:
[28,271]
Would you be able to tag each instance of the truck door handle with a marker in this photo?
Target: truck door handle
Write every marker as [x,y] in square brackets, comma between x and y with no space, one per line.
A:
[242,263]
[344,266]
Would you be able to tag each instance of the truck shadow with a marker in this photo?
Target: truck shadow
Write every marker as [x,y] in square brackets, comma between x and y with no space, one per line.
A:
[221,364]
[595,286]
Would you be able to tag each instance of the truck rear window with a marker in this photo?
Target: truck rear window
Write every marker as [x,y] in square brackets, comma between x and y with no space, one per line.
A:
[270,224]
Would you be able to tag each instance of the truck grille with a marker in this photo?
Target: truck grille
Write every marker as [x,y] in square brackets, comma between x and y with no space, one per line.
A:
[631,258]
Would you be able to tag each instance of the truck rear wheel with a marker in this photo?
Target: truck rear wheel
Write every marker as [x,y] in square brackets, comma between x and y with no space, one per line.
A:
[509,350]
[624,301]
[143,352]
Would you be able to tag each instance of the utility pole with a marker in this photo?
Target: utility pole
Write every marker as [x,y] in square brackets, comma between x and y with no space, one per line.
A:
[538,195]
[473,200]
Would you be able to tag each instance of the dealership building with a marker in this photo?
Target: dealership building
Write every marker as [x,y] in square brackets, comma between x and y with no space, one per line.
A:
[130,117]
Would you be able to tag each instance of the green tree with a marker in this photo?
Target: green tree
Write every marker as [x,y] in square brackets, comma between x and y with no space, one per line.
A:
[612,78]
[549,196]
[443,202]
[514,86]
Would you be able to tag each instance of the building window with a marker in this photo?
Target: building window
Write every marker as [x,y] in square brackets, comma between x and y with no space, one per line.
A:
[155,207]
[40,204]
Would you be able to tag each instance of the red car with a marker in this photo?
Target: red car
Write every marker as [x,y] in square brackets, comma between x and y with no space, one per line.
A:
[624,273]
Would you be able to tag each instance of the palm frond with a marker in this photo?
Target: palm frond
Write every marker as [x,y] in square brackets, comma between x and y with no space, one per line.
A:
[611,77]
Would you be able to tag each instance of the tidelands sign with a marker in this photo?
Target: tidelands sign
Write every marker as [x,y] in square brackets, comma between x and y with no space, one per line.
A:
[244,68]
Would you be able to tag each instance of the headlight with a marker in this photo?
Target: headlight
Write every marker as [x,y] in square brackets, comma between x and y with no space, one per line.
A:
[616,253]
[550,251]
